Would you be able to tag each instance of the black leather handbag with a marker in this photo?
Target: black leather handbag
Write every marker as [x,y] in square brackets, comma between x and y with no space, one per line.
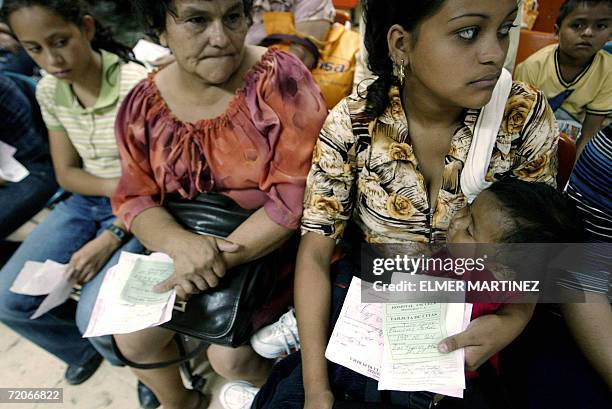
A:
[222,315]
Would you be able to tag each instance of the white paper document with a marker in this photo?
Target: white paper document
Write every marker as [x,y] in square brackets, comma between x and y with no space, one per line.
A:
[10,168]
[411,361]
[57,297]
[36,278]
[126,301]
[48,278]
[357,339]
[6,149]
[396,344]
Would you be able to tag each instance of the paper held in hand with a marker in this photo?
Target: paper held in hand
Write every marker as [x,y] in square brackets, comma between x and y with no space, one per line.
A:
[36,278]
[396,344]
[126,301]
[49,278]
[11,169]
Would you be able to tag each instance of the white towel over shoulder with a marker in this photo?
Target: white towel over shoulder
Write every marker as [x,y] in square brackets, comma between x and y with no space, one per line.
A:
[485,134]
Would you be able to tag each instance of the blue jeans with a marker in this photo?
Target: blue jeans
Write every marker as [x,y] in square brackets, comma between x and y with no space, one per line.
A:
[19,202]
[70,225]
[546,369]
[284,388]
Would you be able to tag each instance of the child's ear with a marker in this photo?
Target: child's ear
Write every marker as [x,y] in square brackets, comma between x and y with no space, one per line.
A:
[89,27]
[556,30]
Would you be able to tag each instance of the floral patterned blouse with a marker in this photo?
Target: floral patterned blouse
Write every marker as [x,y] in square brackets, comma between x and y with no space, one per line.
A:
[365,168]
[258,152]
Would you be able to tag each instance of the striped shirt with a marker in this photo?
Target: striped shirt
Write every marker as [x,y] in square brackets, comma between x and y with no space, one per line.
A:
[91,130]
[590,187]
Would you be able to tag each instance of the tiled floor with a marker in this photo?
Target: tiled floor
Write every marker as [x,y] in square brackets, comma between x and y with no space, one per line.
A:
[24,365]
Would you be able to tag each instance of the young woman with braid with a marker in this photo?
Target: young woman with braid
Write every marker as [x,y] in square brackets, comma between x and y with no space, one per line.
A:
[390,163]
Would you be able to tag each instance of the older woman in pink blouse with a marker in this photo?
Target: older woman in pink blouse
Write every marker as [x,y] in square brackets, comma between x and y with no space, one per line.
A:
[224,117]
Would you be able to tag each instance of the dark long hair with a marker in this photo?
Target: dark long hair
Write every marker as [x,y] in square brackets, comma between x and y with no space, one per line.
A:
[73,12]
[379,16]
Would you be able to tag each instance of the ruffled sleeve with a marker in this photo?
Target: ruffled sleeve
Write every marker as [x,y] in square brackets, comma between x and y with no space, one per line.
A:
[289,110]
[137,189]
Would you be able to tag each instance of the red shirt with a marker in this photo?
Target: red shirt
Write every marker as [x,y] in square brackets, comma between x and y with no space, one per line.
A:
[258,152]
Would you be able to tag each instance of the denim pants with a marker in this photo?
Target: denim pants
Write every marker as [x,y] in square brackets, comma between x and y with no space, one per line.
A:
[547,370]
[70,225]
[19,202]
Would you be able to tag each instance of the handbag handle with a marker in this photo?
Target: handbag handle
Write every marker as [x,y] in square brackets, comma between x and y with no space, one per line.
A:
[183,358]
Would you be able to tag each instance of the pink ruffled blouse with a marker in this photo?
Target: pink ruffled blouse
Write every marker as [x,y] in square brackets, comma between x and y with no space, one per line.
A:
[258,152]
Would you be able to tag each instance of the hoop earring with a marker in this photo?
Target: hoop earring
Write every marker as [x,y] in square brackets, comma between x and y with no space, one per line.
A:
[399,71]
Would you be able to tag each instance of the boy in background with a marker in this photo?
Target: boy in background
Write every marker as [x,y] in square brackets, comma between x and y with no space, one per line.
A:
[576,74]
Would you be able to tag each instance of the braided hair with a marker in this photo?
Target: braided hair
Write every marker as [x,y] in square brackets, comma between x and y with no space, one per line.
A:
[379,16]
[73,11]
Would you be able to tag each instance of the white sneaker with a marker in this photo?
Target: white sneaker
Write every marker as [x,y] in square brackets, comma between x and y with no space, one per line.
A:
[237,395]
[277,339]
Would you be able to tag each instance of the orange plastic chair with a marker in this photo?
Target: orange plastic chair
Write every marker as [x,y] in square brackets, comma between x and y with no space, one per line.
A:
[345,4]
[531,41]
[566,152]
[548,10]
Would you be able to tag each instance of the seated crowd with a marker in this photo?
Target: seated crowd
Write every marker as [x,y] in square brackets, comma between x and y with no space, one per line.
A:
[395,162]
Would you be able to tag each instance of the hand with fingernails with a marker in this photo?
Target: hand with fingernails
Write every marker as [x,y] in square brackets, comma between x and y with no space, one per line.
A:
[488,334]
[198,265]
[86,262]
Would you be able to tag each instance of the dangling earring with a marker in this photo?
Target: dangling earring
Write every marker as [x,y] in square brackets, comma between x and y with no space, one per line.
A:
[399,71]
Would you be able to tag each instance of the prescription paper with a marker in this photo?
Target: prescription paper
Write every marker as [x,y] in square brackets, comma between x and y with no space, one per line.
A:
[119,310]
[396,344]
